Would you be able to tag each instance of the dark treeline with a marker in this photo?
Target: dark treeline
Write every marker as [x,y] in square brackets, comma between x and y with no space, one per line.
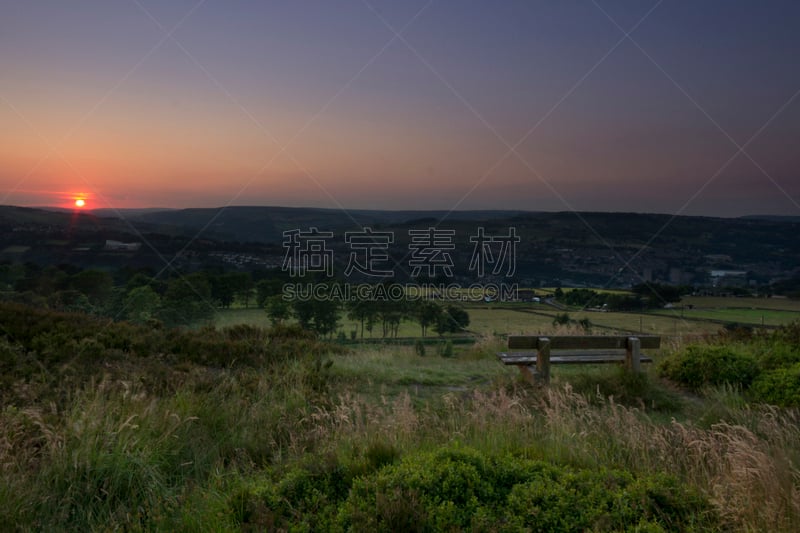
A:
[181,299]
[137,295]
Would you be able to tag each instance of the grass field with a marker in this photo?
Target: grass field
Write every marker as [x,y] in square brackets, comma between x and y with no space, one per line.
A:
[489,320]
[136,429]
[764,317]
[389,371]
[539,319]
[716,302]
[707,316]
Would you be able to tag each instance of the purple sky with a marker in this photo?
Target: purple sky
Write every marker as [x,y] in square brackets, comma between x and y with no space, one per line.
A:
[539,105]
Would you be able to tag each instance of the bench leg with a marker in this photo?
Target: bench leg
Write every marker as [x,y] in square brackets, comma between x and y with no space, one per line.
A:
[633,356]
[543,360]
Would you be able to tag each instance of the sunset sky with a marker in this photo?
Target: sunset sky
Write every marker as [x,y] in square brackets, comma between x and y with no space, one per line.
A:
[441,104]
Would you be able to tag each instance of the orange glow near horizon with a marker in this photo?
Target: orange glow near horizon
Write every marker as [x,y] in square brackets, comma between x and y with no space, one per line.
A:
[80,202]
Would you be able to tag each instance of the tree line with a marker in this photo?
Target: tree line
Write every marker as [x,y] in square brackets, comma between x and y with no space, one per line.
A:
[643,296]
[141,295]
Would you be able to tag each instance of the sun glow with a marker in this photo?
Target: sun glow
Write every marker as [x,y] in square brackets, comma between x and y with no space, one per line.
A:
[80,202]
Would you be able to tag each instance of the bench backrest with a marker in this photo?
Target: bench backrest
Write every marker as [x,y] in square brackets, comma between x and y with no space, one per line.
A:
[582,342]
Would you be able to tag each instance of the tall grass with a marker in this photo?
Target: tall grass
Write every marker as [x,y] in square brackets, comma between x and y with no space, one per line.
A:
[170,448]
[749,465]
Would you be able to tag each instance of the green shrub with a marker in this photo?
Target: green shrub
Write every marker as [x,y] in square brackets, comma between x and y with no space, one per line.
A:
[607,501]
[778,387]
[562,319]
[446,349]
[701,365]
[456,489]
[419,348]
[303,498]
[776,352]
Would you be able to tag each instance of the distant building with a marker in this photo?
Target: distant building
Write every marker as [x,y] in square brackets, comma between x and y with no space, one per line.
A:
[728,278]
[119,246]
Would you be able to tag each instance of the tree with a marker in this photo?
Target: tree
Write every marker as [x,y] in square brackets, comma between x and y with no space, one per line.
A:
[96,285]
[583,298]
[453,319]
[227,286]
[427,314]
[326,316]
[267,288]
[71,301]
[278,309]
[657,294]
[187,299]
[320,316]
[140,280]
[141,304]
[244,288]
[391,313]
[360,311]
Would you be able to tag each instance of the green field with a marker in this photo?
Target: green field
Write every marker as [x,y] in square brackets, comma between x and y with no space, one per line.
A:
[763,317]
[707,316]
[495,320]
[716,302]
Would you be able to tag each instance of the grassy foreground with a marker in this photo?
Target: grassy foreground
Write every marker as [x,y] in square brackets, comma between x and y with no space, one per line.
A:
[105,426]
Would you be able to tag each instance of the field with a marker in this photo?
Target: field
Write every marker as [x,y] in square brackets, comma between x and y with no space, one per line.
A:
[116,426]
[241,426]
[716,302]
[536,318]
[755,317]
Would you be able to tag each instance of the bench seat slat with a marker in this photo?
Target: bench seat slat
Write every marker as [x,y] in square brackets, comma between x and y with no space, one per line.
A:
[530,359]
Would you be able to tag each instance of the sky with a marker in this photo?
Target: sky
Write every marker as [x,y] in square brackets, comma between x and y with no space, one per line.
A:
[682,107]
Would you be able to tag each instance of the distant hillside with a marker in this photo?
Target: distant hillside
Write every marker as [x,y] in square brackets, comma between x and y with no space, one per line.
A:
[620,249]
[773,218]
[267,224]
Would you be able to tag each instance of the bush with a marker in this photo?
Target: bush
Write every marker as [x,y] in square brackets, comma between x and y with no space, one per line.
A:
[701,365]
[778,387]
[775,351]
[49,351]
[608,500]
[457,489]
[306,496]
[446,349]
[419,348]
[562,319]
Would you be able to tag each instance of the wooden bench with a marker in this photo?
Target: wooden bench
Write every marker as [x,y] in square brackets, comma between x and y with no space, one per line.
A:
[578,349]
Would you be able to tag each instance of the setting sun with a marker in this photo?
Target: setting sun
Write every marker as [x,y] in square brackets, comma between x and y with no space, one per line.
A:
[80,202]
